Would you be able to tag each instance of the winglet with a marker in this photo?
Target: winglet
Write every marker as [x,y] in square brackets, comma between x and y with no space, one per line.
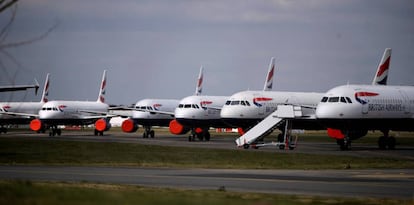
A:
[381,75]
[101,97]
[199,86]
[45,93]
[269,78]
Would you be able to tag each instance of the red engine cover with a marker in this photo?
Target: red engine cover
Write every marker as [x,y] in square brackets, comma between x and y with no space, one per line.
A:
[129,126]
[102,125]
[177,129]
[36,125]
[336,134]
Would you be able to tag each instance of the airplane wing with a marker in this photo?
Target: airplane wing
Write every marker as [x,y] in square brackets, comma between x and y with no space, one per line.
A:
[155,111]
[9,88]
[213,108]
[98,114]
[19,114]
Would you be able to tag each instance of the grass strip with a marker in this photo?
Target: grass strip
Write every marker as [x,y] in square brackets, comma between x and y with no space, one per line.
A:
[57,152]
[27,192]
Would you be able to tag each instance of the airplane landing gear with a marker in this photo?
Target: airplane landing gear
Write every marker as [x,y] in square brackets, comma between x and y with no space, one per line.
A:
[148,132]
[204,135]
[3,130]
[54,130]
[97,132]
[344,144]
[386,141]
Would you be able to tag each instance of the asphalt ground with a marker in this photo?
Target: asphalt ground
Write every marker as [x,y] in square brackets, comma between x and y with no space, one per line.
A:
[379,183]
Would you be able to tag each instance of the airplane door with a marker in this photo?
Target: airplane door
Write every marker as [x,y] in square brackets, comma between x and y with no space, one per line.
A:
[261,110]
[365,108]
[406,102]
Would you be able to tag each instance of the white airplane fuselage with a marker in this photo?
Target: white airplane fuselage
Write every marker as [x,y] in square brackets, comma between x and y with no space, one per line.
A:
[31,108]
[368,107]
[148,118]
[71,112]
[245,109]
[200,111]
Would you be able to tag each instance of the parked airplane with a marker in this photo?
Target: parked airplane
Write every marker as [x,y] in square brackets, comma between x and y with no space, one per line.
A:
[199,113]
[55,113]
[349,111]
[8,109]
[247,108]
[155,112]
[352,110]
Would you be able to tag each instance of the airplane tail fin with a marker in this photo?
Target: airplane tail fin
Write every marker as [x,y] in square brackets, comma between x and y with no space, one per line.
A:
[45,93]
[269,78]
[102,90]
[382,71]
[199,86]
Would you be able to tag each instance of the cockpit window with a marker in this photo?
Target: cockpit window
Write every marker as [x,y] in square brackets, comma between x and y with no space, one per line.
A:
[187,106]
[238,102]
[333,99]
[180,105]
[337,99]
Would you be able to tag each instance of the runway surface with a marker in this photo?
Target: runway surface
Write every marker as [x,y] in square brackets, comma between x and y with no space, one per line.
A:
[344,183]
[379,183]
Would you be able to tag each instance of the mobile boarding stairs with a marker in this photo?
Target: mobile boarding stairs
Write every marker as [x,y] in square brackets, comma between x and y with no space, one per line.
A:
[283,113]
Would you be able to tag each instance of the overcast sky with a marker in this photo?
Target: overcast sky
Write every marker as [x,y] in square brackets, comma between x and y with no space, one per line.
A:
[154,48]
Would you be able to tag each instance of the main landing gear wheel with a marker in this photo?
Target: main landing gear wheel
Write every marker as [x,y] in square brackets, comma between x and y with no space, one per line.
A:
[100,133]
[204,135]
[148,132]
[344,144]
[54,131]
[384,142]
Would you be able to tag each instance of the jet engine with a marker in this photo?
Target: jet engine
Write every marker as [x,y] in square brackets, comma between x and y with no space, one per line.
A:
[177,129]
[129,126]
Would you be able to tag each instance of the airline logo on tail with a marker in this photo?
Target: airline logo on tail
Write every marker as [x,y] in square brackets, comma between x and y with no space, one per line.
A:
[269,81]
[382,71]
[102,91]
[199,87]
[45,94]
[257,101]
[269,78]
[360,96]
[102,96]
